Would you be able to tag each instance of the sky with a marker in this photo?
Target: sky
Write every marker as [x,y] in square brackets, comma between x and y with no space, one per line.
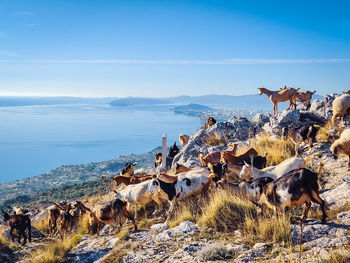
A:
[169,48]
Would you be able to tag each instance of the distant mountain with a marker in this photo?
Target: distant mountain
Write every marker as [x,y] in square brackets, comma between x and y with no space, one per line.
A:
[138,101]
[244,102]
[9,101]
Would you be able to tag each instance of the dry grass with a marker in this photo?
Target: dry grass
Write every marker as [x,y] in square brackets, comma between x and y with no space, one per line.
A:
[182,214]
[276,148]
[55,252]
[215,140]
[118,254]
[340,255]
[225,212]
[123,234]
[268,229]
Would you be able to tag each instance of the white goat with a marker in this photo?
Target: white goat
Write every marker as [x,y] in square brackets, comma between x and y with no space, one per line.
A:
[249,172]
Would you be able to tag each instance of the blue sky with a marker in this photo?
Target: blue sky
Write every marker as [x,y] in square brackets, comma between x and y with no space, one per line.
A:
[170,48]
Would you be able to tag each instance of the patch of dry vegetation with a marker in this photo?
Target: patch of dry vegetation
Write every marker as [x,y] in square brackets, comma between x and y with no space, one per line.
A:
[215,140]
[183,213]
[271,229]
[119,252]
[55,252]
[277,149]
[225,212]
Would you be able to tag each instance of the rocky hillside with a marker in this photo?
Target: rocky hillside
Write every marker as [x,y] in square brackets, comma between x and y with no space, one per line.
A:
[209,229]
[73,174]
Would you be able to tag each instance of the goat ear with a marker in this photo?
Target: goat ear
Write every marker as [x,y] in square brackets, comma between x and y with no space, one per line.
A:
[245,163]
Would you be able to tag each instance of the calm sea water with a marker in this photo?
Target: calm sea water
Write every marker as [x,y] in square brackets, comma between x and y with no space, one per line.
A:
[35,139]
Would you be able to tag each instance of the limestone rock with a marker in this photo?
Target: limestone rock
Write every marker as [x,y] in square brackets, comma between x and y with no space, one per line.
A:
[157,228]
[236,129]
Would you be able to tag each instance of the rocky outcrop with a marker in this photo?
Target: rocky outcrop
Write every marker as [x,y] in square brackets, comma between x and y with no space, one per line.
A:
[323,107]
[234,130]
[293,119]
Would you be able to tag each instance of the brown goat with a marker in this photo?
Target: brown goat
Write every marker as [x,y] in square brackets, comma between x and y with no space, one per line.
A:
[216,156]
[227,157]
[53,214]
[280,96]
[159,159]
[111,212]
[65,220]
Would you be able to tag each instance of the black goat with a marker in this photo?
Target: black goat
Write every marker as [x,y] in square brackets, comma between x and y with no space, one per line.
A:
[20,223]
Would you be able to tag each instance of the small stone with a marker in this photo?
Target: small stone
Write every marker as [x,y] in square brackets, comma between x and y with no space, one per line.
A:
[157,228]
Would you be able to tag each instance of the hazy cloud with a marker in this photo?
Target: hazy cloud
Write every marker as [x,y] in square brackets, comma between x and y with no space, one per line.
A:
[231,61]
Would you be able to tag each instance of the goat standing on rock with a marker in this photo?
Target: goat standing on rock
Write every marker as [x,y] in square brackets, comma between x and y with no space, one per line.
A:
[280,96]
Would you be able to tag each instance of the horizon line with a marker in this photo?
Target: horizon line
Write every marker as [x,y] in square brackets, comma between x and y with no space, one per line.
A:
[228,61]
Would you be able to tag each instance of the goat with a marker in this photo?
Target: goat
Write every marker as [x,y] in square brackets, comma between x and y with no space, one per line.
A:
[301,134]
[128,169]
[227,157]
[53,214]
[21,223]
[65,221]
[215,157]
[18,210]
[342,146]
[340,108]
[252,188]
[305,97]
[77,212]
[158,161]
[173,150]
[293,189]
[211,121]
[280,96]
[180,189]
[130,180]
[111,212]
[140,194]
[249,172]
[183,139]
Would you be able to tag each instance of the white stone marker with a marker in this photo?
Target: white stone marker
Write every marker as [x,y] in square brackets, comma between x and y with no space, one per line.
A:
[164,152]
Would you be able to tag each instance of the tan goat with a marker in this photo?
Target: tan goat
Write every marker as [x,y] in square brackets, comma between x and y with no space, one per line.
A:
[280,96]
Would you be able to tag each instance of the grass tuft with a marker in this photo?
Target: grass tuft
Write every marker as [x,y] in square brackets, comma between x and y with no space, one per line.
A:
[225,212]
[182,214]
[124,234]
[55,252]
[277,149]
[268,229]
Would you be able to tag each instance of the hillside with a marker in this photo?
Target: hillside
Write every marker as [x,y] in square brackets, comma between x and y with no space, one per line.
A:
[73,174]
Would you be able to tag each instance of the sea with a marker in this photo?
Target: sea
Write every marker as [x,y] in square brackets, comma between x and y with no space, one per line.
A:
[36,139]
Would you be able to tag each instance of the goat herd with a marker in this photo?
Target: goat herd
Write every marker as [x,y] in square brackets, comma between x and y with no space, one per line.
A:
[275,187]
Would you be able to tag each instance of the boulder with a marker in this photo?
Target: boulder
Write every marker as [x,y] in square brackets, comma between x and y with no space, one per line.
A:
[323,107]
[259,120]
[157,228]
[293,119]
[234,130]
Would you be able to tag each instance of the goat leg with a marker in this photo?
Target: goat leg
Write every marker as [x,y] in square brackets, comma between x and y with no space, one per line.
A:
[11,234]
